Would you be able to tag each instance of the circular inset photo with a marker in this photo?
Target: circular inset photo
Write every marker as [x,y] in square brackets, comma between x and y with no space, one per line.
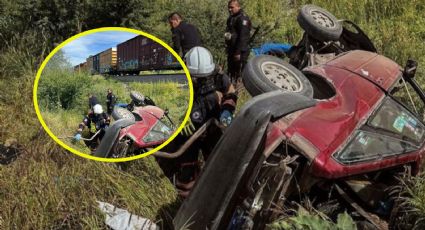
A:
[113,94]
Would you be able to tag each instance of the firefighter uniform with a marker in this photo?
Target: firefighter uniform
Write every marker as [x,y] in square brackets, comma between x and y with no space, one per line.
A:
[212,95]
[94,122]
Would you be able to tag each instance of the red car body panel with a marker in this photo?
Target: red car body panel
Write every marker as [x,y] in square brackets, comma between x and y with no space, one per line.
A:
[360,80]
[155,111]
[379,69]
[149,116]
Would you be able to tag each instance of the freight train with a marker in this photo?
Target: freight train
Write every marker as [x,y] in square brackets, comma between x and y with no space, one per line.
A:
[130,57]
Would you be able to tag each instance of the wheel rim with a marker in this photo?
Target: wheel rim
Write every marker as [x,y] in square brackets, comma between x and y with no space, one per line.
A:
[281,76]
[138,96]
[124,114]
[322,19]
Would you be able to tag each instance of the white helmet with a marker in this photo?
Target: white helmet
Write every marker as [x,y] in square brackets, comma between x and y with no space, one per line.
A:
[199,61]
[97,109]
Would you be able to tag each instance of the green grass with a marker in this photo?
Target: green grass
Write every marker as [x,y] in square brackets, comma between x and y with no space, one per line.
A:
[48,187]
[64,125]
[61,90]
[313,220]
[54,189]
[63,100]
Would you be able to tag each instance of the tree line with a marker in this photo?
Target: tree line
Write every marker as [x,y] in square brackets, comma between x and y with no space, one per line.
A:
[37,26]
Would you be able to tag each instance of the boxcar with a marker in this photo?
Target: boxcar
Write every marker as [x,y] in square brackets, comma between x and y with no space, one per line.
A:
[154,56]
[89,66]
[128,55]
[96,66]
[141,53]
[108,61]
[131,57]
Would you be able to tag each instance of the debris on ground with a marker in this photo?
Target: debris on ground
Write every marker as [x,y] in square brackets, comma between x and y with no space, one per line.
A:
[121,219]
[8,151]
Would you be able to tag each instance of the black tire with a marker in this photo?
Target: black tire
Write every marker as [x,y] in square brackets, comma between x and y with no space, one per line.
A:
[149,101]
[258,79]
[319,23]
[121,113]
[137,97]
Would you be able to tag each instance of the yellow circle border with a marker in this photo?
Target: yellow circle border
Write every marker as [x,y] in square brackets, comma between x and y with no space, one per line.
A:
[103,29]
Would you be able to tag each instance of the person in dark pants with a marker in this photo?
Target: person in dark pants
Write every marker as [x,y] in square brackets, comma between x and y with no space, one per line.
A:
[237,38]
[110,101]
[96,120]
[214,97]
[92,101]
[185,35]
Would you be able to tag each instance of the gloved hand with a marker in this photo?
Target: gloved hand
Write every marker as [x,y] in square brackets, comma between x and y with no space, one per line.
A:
[226,118]
[188,129]
[77,137]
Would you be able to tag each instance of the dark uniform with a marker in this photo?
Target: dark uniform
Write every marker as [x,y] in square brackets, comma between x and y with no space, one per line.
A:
[93,101]
[238,27]
[110,102]
[185,37]
[208,103]
[94,123]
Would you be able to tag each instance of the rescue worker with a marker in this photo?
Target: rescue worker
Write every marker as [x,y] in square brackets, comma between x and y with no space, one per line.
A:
[92,100]
[95,120]
[214,97]
[110,101]
[185,36]
[237,38]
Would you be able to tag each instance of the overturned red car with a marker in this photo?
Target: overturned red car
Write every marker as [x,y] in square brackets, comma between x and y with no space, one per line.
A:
[340,134]
[138,127]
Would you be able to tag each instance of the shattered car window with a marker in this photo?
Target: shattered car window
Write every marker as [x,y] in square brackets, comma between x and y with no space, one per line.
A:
[368,146]
[405,94]
[401,132]
[394,118]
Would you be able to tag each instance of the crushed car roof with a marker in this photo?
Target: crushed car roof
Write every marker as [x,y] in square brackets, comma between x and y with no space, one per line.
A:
[357,95]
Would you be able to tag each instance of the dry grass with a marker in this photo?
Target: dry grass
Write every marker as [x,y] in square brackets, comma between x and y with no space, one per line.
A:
[55,189]
[50,188]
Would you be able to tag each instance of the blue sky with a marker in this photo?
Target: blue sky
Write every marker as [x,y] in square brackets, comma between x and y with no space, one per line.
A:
[79,49]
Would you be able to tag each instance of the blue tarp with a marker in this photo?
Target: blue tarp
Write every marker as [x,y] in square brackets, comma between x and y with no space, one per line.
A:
[122,105]
[272,48]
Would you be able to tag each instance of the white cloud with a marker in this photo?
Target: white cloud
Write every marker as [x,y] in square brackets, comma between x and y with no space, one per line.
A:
[78,50]
[117,36]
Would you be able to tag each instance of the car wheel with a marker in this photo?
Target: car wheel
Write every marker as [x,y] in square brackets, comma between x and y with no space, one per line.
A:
[120,113]
[319,23]
[137,97]
[265,73]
